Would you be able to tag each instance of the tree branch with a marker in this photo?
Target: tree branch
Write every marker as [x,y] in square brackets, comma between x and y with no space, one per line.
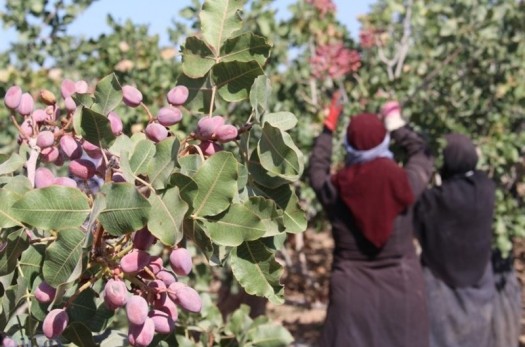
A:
[405,40]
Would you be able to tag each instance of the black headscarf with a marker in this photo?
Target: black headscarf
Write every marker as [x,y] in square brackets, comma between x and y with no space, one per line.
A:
[459,156]
[454,220]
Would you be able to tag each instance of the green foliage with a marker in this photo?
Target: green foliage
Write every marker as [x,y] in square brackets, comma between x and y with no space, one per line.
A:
[53,207]
[62,260]
[460,75]
[125,209]
[75,238]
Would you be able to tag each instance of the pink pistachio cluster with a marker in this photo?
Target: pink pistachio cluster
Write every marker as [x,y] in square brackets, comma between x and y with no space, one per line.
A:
[334,60]
[42,128]
[167,116]
[370,37]
[212,131]
[137,281]
[152,308]
[323,6]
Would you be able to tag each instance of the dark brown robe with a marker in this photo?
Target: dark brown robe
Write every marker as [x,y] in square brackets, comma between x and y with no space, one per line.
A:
[377,296]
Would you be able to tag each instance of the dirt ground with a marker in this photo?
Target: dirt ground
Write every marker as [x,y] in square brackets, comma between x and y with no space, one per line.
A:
[308,259]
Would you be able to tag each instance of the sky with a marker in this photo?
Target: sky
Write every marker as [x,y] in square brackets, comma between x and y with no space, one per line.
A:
[155,13]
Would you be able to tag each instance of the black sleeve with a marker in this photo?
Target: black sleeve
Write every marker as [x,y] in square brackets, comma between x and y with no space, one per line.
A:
[420,164]
[319,169]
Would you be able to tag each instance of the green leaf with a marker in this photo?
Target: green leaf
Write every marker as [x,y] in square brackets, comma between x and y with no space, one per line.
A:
[269,335]
[99,204]
[108,95]
[267,211]
[239,321]
[85,100]
[188,189]
[77,119]
[18,184]
[84,308]
[261,175]
[63,259]
[219,20]
[95,128]
[122,143]
[254,266]
[102,318]
[243,177]
[246,47]
[14,163]
[142,154]
[217,182]
[282,120]
[260,95]
[449,27]
[31,262]
[235,79]
[7,218]
[53,207]
[279,155]
[198,59]
[193,231]
[234,226]
[190,164]
[79,334]
[12,300]
[200,92]
[115,338]
[17,242]
[126,209]
[163,163]
[183,341]
[294,218]
[20,326]
[166,216]
[275,242]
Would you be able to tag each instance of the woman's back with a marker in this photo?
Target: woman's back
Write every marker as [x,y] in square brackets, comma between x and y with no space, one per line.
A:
[454,225]
[377,296]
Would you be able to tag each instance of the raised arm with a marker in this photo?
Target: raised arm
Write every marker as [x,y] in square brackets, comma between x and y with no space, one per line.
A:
[319,169]
[420,163]
[321,158]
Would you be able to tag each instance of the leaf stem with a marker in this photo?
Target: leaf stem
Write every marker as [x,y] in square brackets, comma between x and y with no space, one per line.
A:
[31,165]
[43,240]
[150,116]
[149,186]
[13,119]
[199,150]
[85,286]
[124,251]
[97,238]
[212,102]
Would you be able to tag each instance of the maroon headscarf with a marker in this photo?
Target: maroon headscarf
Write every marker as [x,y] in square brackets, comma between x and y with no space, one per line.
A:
[377,191]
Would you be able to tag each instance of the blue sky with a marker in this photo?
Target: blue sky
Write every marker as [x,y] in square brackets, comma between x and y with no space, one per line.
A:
[158,16]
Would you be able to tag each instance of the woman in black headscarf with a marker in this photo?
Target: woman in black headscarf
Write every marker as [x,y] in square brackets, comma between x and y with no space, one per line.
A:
[454,224]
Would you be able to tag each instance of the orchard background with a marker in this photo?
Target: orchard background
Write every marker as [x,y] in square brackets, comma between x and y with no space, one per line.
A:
[454,65]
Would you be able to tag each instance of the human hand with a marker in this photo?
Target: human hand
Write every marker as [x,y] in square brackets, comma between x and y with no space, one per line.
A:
[391,115]
[334,111]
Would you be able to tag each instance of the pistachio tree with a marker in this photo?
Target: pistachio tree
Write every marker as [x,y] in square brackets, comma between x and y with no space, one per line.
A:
[100,227]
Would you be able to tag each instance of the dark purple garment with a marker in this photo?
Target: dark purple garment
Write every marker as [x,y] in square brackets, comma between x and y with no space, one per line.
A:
[377,295]
[454,224]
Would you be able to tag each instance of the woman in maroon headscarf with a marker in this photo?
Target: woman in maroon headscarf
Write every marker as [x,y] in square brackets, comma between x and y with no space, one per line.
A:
[377,296]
